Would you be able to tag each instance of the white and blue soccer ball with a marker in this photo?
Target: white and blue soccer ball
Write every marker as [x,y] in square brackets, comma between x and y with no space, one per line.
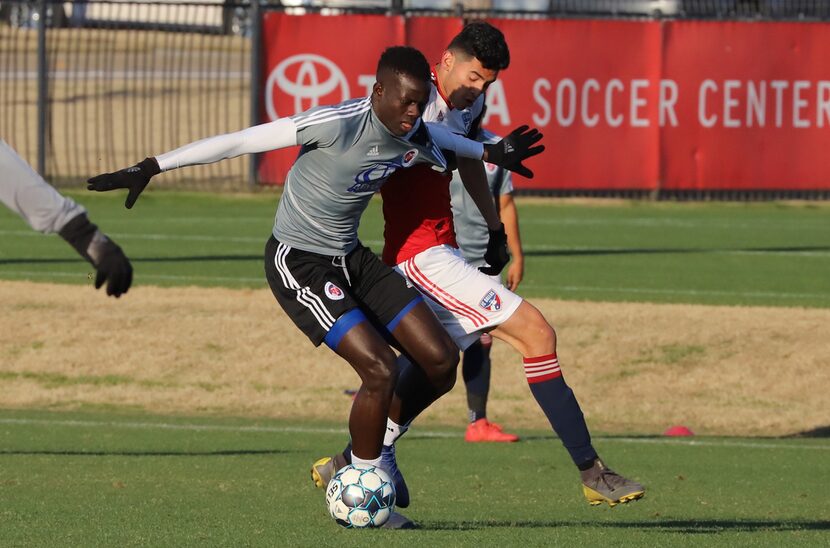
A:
[360,495]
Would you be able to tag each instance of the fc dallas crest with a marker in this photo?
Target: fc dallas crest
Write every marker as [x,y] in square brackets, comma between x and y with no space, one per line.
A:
[491,301]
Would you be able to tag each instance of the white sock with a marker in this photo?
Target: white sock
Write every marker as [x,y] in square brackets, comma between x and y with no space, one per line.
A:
[370,462]
[393,432]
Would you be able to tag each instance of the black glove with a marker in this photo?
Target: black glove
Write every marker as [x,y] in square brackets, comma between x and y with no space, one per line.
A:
[104,254]
[513,149]
[496,255]
[134,178]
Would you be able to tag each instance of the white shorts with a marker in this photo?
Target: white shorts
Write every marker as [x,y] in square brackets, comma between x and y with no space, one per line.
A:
[466,301]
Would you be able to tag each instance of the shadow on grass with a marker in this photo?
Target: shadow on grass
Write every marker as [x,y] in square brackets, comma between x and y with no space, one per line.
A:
[820,432]
[148,453]
[531,253]
[704,526]
[176,259]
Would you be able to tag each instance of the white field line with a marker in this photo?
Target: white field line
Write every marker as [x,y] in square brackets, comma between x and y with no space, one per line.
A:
[692,292]
[667,251]
[791,224]
[414,433]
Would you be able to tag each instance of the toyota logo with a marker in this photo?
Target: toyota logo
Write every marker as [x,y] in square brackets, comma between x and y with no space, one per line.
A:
[314,78]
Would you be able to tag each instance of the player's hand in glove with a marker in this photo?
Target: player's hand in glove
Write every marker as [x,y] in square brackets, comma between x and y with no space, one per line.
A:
[93,245]
[515,148]
[134,178]
[496,255]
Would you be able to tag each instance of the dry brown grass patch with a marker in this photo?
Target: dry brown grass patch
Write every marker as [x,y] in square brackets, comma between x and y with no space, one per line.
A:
[634,367]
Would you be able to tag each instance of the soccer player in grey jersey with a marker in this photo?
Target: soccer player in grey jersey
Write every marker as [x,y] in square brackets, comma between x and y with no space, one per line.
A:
[419,240]
[26,193]
[333,288]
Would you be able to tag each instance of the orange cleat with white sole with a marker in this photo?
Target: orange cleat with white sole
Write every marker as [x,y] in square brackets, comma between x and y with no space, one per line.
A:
[483,430]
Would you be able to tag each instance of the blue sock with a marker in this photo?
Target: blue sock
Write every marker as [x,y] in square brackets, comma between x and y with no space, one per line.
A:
[558,402]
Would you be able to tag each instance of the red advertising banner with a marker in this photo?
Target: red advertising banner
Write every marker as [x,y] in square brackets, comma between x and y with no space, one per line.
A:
[432,35]
[308,63]
[752,107]
[590,86]
[628,105]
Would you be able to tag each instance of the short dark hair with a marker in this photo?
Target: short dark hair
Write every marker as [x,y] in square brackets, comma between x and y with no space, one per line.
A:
[404,60]
[484,42]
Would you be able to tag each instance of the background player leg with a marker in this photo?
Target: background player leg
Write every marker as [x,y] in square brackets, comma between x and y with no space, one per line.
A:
[475,368]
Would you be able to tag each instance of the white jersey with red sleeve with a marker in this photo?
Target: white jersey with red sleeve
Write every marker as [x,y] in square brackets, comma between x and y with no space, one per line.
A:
[416,201]
[420,240]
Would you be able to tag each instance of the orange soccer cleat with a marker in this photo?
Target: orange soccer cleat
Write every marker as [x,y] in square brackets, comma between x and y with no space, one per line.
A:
[483,430]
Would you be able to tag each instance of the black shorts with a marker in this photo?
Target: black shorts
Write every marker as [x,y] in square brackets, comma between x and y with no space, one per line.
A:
[315,290]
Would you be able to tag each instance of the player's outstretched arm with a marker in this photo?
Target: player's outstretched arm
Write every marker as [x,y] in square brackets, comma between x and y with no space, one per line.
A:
[508,153]
[281,133]
[26,193]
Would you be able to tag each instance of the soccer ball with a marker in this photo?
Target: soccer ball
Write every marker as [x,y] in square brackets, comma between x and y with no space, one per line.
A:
[360,495]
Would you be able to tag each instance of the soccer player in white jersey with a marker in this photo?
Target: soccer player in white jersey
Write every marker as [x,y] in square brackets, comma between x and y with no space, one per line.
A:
[335,289]
[26,193]
[419,239]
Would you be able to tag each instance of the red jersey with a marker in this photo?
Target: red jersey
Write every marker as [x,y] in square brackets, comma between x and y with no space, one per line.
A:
[416,201]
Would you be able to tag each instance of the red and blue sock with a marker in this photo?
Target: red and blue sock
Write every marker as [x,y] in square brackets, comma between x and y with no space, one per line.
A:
[558,402]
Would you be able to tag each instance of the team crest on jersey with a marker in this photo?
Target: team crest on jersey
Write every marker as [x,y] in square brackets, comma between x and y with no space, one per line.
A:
[333,292]
[491,301]
[409,157]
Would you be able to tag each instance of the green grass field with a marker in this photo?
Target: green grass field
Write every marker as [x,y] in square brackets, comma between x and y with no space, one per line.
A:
[716,253]
[91,479]
[102,477]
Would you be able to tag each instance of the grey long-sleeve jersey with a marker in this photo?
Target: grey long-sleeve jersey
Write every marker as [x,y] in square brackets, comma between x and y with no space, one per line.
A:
[26,193]
[346,156]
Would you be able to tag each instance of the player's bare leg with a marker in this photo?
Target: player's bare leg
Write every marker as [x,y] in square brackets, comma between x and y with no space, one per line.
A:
[425,340]
[370,356]
[529,332]
[373,360]
[420,335]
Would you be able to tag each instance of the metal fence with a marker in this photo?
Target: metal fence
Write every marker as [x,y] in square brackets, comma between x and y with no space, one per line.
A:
[92,86]
[97,88]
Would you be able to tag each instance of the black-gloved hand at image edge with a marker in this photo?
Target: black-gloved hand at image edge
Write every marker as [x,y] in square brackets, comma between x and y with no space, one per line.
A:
[106,256]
